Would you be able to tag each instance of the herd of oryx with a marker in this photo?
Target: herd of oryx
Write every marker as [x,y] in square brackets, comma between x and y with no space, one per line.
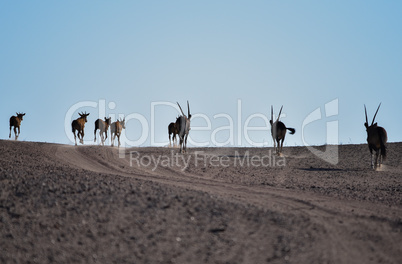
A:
[376,135]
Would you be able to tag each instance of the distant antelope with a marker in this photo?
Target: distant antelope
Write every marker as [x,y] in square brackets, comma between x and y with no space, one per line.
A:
[79,124]
[15,121]
[376,139]
[116,129]
[183,126]
[278,131]
[103,127]
[172,129]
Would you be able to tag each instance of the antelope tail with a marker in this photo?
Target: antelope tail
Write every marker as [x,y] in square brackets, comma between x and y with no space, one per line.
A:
[382,144]
[292,130]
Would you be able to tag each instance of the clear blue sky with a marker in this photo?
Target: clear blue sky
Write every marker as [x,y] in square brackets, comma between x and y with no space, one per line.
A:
[300,54]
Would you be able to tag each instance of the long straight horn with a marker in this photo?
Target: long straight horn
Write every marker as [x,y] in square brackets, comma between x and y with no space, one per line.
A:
[188,107]
[272,113]
[280,111]
[375,114]
[180,108]
[365,111]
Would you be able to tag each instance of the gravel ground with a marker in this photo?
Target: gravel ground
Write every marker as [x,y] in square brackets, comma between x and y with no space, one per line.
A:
[93,204]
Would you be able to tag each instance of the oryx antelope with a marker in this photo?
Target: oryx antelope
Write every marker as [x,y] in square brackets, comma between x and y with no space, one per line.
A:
[115,130]
[79,124]
[15,121]
[376,139]
[103,127]
[278,131]
[172,130]
[183,127]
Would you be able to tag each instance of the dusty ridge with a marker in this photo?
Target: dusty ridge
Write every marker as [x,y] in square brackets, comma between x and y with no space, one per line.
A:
[90,204]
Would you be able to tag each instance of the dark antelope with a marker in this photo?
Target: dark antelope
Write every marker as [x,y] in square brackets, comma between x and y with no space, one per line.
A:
[278,131]
[116,128]
[103,127]
[79,124]
[183,127]
[376,139]
[172,130]
[15,121]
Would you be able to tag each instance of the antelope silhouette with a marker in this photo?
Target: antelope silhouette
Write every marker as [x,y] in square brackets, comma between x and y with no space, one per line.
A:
[376,139]
[278,131]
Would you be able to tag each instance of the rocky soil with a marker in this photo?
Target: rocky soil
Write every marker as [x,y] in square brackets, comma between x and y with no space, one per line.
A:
[94,204]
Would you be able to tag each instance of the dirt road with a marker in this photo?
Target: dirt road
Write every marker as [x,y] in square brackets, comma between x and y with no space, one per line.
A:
[93,204]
